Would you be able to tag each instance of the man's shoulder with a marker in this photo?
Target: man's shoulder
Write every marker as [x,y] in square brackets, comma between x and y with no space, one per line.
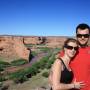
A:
[88,50]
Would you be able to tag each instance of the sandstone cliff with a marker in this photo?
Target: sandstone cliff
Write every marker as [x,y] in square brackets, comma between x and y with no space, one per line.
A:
[12,48]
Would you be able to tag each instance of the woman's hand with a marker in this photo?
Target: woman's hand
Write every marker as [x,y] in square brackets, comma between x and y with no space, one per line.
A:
[78,85]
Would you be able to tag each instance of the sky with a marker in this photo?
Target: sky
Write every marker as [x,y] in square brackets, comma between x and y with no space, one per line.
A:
[43,17]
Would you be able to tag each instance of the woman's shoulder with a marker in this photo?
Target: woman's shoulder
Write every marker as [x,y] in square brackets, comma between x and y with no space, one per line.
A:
[57,62]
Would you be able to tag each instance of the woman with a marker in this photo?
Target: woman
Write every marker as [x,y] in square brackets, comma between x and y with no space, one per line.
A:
[61,75]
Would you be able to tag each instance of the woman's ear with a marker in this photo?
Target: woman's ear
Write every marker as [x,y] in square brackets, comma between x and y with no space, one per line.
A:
[64,49]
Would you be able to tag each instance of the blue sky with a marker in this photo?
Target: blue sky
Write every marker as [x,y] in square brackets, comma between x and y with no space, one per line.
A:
[43,17]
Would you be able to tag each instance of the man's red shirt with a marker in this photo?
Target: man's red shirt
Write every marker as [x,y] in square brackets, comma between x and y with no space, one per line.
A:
[81,67]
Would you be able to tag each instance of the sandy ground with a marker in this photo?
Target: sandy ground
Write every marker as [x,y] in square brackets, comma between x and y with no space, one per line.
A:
[35,83]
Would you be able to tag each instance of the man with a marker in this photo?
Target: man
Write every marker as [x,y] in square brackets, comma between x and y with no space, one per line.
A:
[81,63]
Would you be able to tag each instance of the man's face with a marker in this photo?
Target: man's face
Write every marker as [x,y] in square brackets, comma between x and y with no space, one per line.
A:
[83,36]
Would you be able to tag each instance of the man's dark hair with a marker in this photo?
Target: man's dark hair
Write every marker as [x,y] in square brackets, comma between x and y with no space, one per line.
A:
[82,26]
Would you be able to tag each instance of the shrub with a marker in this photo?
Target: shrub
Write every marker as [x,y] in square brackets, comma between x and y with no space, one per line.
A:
[19,62]
[33,53]
[45,74]
[50,62]
[19,77]
[33,70]
[44,49]
[1,68]
[44,61]
[37,65]
[2,78]
[3,65]
[1,83]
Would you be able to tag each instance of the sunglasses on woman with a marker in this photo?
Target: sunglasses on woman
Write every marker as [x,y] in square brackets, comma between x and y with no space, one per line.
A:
[71,47]
[84,35]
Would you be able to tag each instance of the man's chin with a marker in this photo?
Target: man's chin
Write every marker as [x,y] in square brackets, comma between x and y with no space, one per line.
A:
[83,44]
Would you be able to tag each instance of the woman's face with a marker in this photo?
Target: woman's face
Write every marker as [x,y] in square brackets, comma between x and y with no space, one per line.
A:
[71,49]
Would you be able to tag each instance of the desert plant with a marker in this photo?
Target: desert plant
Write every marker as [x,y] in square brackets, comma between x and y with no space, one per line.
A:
[2,78]
[33,70]
[19,76]
[50,61]
[1,83]
[45,74]
[19,62]
[43,62]
[20,79]
[44,49]
[3,65]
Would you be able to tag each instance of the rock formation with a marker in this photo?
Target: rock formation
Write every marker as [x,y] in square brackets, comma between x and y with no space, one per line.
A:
[34,40]
[12,48]
[55,41]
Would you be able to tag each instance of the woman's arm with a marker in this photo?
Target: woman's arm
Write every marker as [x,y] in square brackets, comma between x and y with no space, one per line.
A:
[56,84]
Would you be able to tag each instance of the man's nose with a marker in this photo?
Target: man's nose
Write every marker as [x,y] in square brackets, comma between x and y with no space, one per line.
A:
[82,36]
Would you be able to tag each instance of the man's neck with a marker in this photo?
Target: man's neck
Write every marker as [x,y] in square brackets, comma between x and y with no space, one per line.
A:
[83,46]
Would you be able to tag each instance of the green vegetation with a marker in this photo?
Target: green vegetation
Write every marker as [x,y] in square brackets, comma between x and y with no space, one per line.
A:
[38,81]
[50,61]
[18,77]
[19,62]
[3,65]
[34,53]
[37,67]
[2,78]
[1,84]
[42,65]
[29,45]
[44,49]
[45,74]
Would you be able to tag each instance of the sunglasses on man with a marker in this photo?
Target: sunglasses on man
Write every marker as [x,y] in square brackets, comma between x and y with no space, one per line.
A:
[83,35]
[71,47]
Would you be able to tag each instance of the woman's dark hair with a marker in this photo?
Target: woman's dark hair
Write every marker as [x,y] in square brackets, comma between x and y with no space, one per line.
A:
[70,40]
[82,26]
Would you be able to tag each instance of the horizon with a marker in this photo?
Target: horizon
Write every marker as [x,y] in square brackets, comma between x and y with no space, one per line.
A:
[36,35]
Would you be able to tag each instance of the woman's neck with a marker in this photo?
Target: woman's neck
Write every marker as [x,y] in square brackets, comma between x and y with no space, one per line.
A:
[66,59]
